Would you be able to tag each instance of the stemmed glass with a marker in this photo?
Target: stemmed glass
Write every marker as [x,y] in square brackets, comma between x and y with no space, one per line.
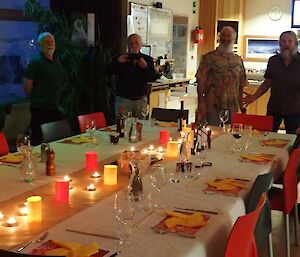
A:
[224,117]
[157,180]
[237,131]
[145,111]
[124,213]
[23,143]
[90,128]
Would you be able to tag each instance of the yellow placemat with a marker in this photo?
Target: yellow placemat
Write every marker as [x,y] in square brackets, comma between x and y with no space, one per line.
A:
[165,124]
[259,158]
[280,143]
[14,158]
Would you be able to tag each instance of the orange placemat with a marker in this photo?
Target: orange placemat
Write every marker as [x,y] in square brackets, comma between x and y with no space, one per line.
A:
[280,143]
[13,158]
[258,158]
[76,140]
[227,186]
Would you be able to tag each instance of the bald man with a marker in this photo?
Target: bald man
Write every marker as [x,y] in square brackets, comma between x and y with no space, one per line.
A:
[42,83]
[133,70]
[221,78]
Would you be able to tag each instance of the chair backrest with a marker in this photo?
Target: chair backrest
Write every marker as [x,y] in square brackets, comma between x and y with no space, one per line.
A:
[4,149]
[259,122]
[290,192]
[96,116]
[263,226]
[56,130]
[168,115]
[241,239]
[4,253]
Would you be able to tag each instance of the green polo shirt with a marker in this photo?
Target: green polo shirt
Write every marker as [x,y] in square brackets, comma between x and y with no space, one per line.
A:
[47,79]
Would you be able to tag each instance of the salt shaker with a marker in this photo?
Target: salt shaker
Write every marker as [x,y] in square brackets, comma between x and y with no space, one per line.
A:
[50,165]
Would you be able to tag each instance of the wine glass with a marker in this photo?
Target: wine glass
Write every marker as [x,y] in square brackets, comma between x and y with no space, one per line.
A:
[145,111]
[124,213]
[224,117]
[247,136]
[90,128]
[237,131]
[23,143]
[157,180]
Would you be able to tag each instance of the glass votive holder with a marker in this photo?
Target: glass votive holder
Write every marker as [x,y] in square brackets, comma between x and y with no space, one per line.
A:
[91,187]
[114,138]
[11,222]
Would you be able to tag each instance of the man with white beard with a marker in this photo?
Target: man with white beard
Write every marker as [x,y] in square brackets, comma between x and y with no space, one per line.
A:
[221,78]
[283,77]
[42,83]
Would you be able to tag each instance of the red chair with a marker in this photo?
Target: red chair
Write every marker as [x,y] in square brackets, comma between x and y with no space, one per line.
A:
[259,122]
[97,116]
[241,241]
[285,199]
[4,149]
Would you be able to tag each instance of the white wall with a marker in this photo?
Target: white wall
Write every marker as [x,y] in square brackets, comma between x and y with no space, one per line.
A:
[183,8]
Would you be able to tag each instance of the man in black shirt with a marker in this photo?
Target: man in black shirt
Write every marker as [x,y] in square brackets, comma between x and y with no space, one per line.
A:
[133,70]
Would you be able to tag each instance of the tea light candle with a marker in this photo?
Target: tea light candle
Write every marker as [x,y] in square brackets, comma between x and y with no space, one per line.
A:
[34,209]
[160,149]
[151,148]
[67,178]
[11,222]
[172,149]
[96,175]
[91,187]
[132,149]
[170,139]
[1,216]
[23,211]
[110,174]
[62,186]
[164,136]
[91,161]
[145,151]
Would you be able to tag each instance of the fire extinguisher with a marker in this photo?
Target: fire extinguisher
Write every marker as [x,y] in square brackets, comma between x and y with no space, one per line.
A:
[198,35]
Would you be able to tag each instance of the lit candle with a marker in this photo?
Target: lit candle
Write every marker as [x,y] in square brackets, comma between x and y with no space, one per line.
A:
[91,161]
[164,136]
[96,175]
[172,149]
[1,216]
[170,139]
[11,221]
[91,187]
[151,148]
[23,211]
[132,149]
[67,178]
[62,186]
[160,149]
[110,174]
[145,151]
[34,209]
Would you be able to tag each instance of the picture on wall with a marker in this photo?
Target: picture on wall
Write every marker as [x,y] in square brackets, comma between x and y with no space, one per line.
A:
[260,48]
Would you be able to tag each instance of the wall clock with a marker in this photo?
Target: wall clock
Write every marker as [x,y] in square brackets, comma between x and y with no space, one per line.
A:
[275,13]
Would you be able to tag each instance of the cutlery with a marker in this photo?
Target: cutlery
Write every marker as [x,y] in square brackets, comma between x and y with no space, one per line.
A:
[41,239]
[115,254]
[93,234]
[8,164]
[197,210]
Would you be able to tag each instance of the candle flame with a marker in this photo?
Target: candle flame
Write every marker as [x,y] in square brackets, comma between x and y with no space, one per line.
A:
[11,221]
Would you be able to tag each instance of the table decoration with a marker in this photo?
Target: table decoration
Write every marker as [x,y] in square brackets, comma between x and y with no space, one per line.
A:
[258,158]
[110,174]
[91,187]
[144,157]
[62,187]
[23,211]
[34,209]
[96,175]
[11,222]
[227,186]
[164,137]
[91,161]
[280,143]
[1,216]
[172,149]
[182,223]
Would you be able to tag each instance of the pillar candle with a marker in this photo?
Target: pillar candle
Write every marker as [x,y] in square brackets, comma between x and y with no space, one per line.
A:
[164,136]
[62,189]
[34,209]
[172,149]
[110,174]
[91,161]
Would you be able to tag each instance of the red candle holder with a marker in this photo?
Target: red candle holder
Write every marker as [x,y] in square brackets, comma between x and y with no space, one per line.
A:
[164,137]
[62,189]
[91,161]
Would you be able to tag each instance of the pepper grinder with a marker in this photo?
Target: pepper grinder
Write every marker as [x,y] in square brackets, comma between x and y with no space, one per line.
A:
[209,138]
[50,165]
[139,127]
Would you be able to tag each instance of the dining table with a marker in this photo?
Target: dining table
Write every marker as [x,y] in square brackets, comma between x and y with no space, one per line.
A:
[89,216]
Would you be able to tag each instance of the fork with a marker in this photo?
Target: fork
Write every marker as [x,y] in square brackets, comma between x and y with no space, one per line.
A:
[41,239]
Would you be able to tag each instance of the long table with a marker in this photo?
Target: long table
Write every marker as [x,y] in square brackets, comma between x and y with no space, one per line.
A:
[92,212]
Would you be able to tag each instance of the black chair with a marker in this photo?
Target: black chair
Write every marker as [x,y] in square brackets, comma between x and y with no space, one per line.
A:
[4,253]
[56,130]
[263,229]
[168,115]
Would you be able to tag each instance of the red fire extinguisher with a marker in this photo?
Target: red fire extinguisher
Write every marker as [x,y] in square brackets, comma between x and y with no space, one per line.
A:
[198,35]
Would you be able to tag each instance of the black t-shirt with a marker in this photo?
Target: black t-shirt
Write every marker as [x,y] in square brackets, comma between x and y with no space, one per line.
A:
[131,79]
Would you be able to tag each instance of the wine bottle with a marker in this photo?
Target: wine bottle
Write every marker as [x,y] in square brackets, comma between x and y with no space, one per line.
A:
[121,122]
[181,122]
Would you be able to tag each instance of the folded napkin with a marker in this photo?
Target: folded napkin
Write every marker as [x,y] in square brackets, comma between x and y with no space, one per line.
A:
[257,157]
[274,142]
[72,249]
[185,220]
[165,124]
[227,184]
[14,158]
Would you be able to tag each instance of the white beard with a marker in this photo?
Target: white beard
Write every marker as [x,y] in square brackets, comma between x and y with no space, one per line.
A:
[288,53]
[226,48]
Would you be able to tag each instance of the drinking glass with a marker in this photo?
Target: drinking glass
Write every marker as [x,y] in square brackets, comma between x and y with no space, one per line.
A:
[157,180]
[145,111]
[247,136]
[90,128]
[124,213]
[23,143]
[237,131]
[224,117]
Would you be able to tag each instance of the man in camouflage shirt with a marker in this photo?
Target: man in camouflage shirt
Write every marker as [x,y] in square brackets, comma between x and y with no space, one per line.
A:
[221,78]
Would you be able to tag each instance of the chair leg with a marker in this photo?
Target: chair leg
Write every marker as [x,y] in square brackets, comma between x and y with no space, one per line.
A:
[296,224]
[270,245]
[287,235]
